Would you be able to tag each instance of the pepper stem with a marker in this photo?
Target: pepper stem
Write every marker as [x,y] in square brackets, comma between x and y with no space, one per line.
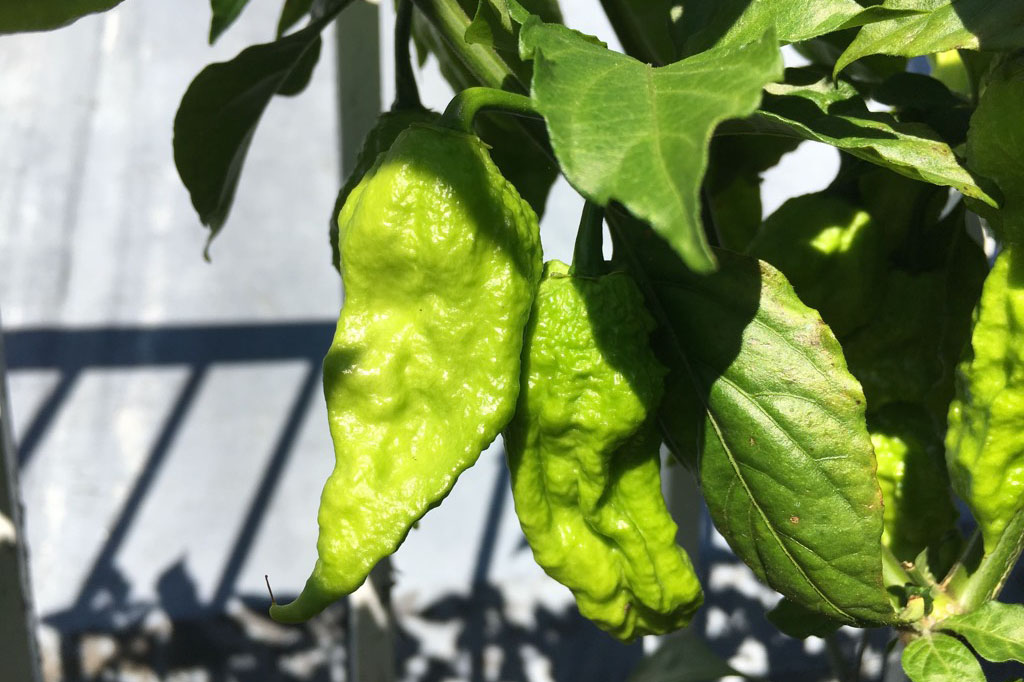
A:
[407,95]
[988,580]
[467,104]
[587,255]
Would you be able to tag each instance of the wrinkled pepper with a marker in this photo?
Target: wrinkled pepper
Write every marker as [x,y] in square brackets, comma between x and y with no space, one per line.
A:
[583,451]
[441,261]
[389,126]
[985,441]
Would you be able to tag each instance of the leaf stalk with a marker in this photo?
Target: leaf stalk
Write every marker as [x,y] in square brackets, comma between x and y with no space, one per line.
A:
[465,106]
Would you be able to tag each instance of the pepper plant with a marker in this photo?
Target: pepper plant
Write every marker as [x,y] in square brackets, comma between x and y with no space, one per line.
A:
[836,376]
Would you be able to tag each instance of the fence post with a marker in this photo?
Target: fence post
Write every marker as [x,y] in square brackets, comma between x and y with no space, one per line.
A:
[371,642]
[19,653]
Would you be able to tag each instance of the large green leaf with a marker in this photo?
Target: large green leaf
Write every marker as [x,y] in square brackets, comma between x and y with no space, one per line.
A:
[831,251]
[786,463]
[836,115]
[730,22]
[996,630]
[800,623]
[220,110]
[224,14]
[940,658]
[43,15]
[625,131]
[995,146]
[945,25]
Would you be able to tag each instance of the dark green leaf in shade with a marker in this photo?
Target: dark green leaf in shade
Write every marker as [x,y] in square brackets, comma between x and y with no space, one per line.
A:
[682,657]
[995,146]
[291,13]
[224,14]
[733,184]
[917,98]
[796,621]
[300,76]
[942,25]
[786,464]
[940,658]
[824,51]
[219,114]
[645,28]
[625,131]
[996,630]
[831,251]
[17,16]
[836,115]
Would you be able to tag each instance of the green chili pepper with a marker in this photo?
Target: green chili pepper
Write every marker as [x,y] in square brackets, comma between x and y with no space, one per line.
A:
[985,441]
[441,261]
[389,126]
[919,513]
[583,451]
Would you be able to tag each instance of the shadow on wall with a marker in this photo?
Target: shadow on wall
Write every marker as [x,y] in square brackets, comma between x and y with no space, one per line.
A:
[107,633]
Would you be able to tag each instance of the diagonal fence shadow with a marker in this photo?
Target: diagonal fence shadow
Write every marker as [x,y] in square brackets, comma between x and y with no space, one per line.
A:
[102,599]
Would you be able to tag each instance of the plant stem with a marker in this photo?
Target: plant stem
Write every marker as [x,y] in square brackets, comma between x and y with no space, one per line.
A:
[587,255]
[467,104]
[893,573]
[835,658]
[486,66]
[988,580]
[407,95]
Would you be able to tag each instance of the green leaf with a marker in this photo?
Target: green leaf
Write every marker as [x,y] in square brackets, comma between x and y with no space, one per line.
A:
[224,14]
[996,630]
[300,76]
[644,28]
[291,13]
[995,147]
[44,15]
[219,113]
[830,251]
[836,115]
[732,22]
[940,658]
[733,183]
[625,131]
[800,623]
[682,657]
[786,463]
[525,164]
[492,26]
[962,24]
[923,99]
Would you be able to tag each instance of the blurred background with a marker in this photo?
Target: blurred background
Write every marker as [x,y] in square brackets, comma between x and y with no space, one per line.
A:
[167,412]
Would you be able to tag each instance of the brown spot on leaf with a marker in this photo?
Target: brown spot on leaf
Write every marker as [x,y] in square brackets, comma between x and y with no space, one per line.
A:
[794,519]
